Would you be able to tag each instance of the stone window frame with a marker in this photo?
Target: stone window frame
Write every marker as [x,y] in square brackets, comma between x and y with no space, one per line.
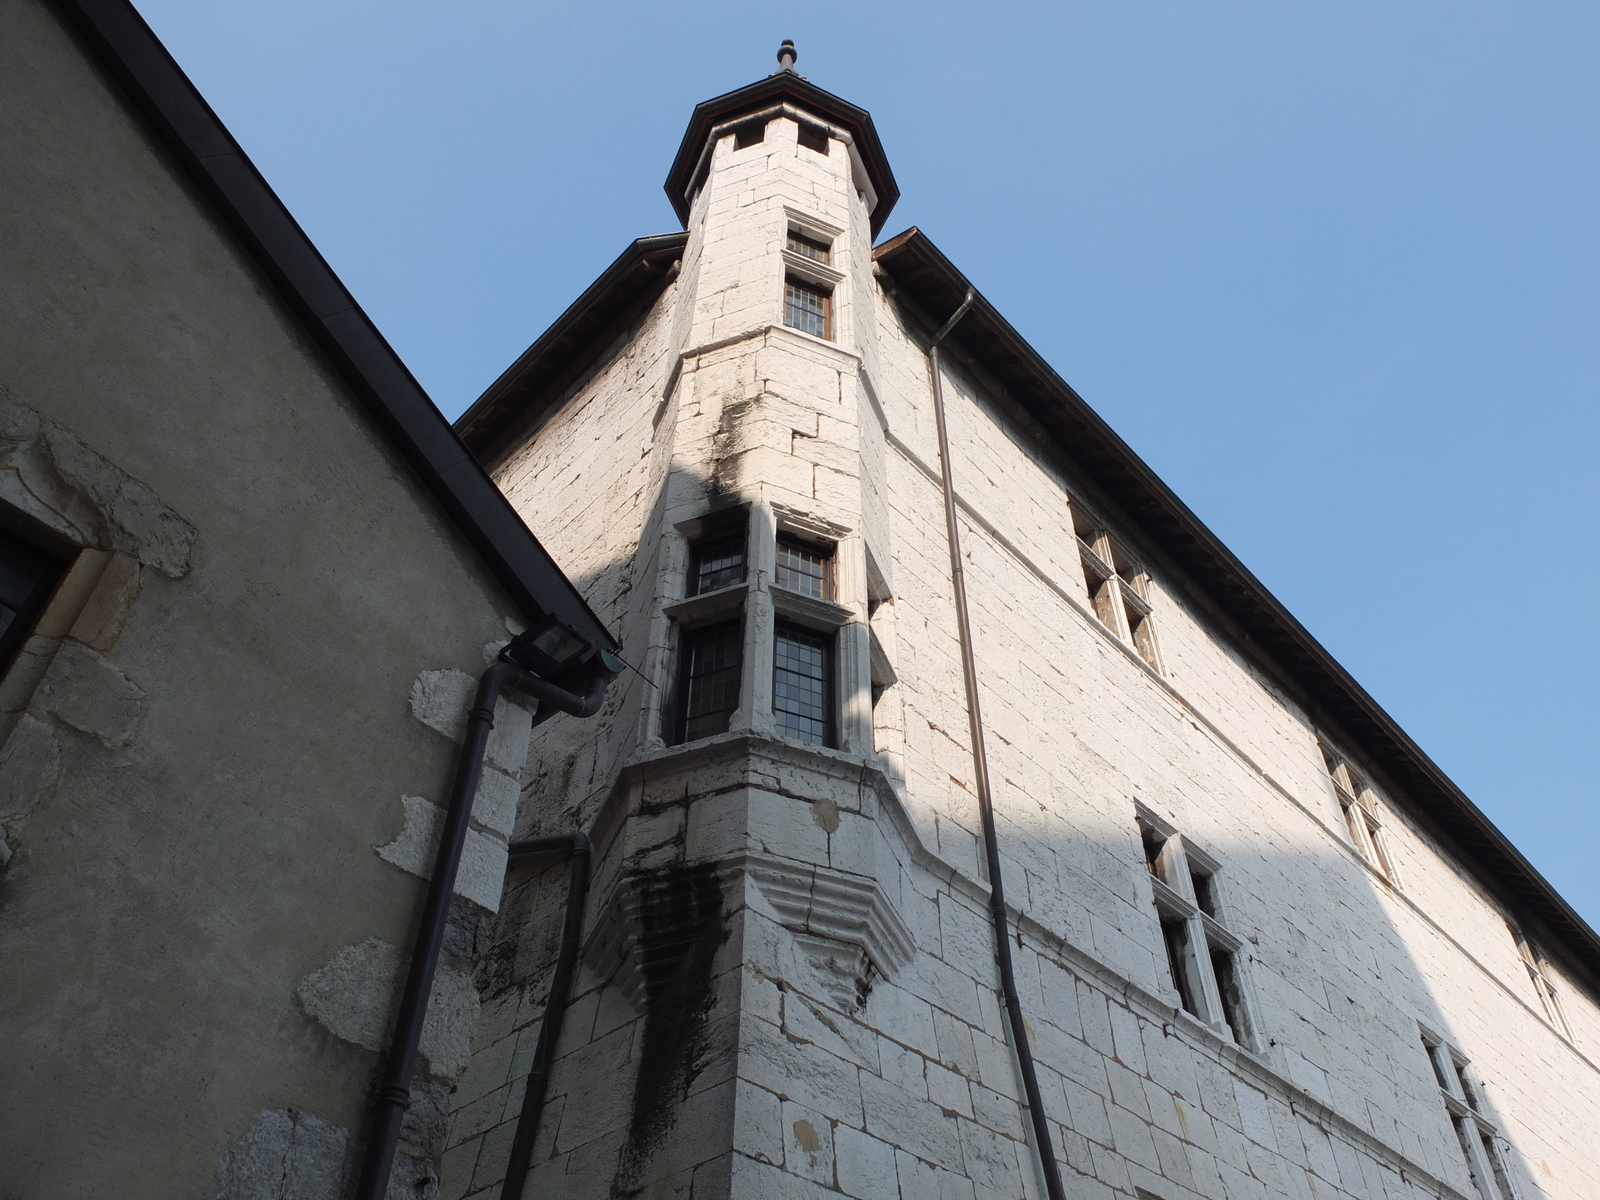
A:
[1539,972]
[821,276]
[824,616]
[1362,808]
[1193,918]
[1117,583]
[1477,1137]
[699,611]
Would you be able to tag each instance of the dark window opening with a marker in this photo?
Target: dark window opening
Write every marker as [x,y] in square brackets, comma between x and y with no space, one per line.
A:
[1464,1136]
[1497,1165]
[802,682]
[805,307]
[814,137]
[805,569]
[1438,1068]
[1222,967]
[709,680]
[28,577]
[716,562]
[809,247]
[1153,843]
[1143,640]
[1204,894]
[1176,936]
[751,133]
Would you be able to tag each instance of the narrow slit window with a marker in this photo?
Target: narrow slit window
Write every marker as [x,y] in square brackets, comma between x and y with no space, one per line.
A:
[1175,934]
[1204,959]
[716,563]
[802,671]
[1539,975]
[1117,585]
[805,307]
[1359,805]
[1464,1109]
[1225,969]
[805,569]
[709,691]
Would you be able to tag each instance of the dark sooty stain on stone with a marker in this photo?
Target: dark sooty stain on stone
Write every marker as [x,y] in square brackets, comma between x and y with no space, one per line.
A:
[680,911]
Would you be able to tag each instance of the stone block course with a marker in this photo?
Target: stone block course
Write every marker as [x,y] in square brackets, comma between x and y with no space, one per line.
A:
[855,1076]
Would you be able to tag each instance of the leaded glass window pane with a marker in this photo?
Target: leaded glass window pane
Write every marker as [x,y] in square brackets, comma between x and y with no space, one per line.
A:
[801,683]
[804,570]
[809,247]
[712,659]
[717,564]
[805,308]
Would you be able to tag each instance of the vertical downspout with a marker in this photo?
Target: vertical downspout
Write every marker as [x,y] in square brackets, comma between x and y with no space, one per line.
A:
[394,1096]
[577,845]
[980,764]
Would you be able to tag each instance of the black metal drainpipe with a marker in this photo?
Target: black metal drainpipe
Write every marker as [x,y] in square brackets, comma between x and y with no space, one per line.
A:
[394,1097]
[577,845]
[980,764]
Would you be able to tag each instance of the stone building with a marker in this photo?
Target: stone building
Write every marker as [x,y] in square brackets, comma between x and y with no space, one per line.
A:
[1262,947]
[247,577]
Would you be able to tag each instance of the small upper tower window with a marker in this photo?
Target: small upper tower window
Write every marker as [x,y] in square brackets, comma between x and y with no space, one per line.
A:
[806,307]
[809,247]
[813,137]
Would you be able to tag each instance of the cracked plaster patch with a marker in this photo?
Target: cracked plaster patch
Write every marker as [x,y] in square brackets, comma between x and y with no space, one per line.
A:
[286,1155]
[355,995]
[482,874]
[29,765]
[49,474]
[441,700]
[89,693]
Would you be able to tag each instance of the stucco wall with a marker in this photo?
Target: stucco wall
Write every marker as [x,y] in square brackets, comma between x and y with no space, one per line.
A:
[202,875]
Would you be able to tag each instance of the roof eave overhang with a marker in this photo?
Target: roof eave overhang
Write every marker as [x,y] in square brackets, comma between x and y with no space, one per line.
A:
[514,404]
[207,153]
[785,85]
[1270,633]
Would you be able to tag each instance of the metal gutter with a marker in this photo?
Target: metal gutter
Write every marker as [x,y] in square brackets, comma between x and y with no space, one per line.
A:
[1267,631]
[207,153]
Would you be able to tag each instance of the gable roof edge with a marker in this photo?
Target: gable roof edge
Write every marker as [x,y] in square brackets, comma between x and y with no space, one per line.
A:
[921,269]
[203,148]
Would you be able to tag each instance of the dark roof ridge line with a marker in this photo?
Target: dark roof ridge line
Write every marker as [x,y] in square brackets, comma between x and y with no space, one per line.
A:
[1513,870]
[189,129]
[483,428]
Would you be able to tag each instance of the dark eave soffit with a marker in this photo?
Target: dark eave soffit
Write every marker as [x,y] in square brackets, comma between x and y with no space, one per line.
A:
[785,85]
[516,402]
[202,146]
[921,271]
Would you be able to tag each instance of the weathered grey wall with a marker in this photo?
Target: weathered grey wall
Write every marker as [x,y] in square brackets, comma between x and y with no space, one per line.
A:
[838,1030]
[197,873]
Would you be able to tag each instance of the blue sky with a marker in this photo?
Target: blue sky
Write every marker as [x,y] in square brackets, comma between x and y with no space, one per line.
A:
[1333,269]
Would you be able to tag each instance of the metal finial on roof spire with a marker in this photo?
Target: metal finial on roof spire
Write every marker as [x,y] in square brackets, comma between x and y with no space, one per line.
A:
[786,55]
